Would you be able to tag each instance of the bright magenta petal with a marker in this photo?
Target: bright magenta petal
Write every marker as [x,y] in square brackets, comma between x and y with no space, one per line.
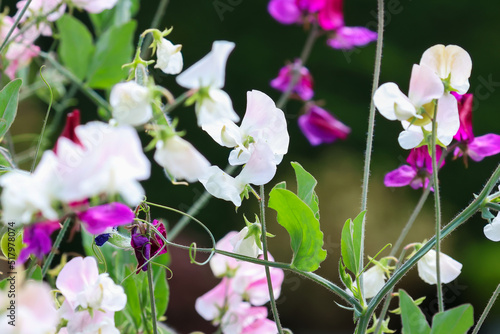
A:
[100,217]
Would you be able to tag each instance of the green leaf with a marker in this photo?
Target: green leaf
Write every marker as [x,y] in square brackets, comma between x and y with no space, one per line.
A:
[37,274]
[118,15]
[298,219]
[9,96]
[351,243]
[305,188]
[76,47]
[413,319]
[113,49]
[457,320]
[133,307]
[162,292]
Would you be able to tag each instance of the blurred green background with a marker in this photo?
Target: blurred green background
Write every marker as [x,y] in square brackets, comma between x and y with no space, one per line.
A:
[343,82]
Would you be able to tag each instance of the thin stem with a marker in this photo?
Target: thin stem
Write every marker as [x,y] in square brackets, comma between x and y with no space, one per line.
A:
[371,128]
[11,30]
[152,298]
[304,55]
[437,204]
[487,309]
[197,206]
[160,12]
[461,218]
[96,98]
[55,246]
[262,206]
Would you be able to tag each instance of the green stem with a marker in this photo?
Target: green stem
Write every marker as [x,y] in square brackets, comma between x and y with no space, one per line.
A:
[262,206]
[90,93]
[11,30]
[494,206]
[160,12]
[461,218]
[306,51]
[487,310]
[55,246]
[437,204]
[371,128]
[152,298]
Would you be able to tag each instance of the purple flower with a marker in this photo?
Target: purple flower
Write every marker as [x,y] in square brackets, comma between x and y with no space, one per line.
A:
[417,172]
[304,85]
[477,148]
[145,247]
[285,11]
[100,217]
[37,239]
[319,126]
[346,38]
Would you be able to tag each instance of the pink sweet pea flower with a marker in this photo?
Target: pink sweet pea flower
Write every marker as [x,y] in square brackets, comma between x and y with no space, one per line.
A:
[37,239]
[477,148]
[145,248]
[418,171]
[98,218]
[319,126]
[303,88]
[222,265]
[242,318]
[346,38]
[94,6]
[212,304]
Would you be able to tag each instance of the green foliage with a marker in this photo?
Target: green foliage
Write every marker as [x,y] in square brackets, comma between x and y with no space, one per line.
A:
[299,220]
[413,319]
[76,47]
[351,243]
[118,15]
[457,320]
[37,273]
[9,97]
[305,188]
[113,49]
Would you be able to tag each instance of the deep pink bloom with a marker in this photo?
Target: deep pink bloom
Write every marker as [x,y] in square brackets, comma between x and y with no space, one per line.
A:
[144,247]
[346,38]
[304,85]
[417,172]
[98,218]
[477,148]
[285,11]
[331,15]
[319,126]
[37,239]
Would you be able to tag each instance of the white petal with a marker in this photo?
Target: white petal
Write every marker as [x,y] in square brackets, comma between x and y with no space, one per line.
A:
[373,281]
[448,121]
[218,107]
[223,186]
[224,132]
[210,70]
[219,263]
[131,103]
[392,103]
[492,231]
[260,168]
[411,137]
[245,246]
[169,57]
[425,85]
[450,268]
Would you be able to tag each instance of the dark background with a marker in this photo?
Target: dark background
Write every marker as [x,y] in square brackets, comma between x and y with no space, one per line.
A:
[343,82]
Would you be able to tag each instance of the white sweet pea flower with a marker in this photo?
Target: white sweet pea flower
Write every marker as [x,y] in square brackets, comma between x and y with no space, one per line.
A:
[109,160]
[492,230]
[131,103]
[94,6]
[169,57]
[247,241]
[222,185]
[450,268]
[181,160]
[451,63]
[373,281]
[207,75]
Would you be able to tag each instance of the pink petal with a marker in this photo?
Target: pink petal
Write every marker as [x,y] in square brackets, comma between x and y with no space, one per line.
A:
[331,16]
[284,11]
[319,126]
[75,276]
[484,146]
[465,113]
[100,217]
[425,85]
[400,177]
[346,38]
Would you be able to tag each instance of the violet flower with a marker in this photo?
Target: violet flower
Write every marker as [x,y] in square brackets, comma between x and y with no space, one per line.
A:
[98,218]
[303,87]
[319,126]
[477,148]
[145,247]
[417,172]
[37,239]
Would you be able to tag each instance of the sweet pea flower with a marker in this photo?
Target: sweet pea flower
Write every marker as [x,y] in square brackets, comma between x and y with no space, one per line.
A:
[373,281]
[492,230]
[82,322]
[451,63]
[244,319]
[82,286]
[94,6]
[222,265]
[303,88]
[449,268]
[35,310]
[207,76]
[131,103]
[37,240]
[51,10]
[417,172]
[169,57]
[346,38]
[477,148]
[180,159]
[144,247]
[221,297]
[319,126]
[99,218]
[247,242]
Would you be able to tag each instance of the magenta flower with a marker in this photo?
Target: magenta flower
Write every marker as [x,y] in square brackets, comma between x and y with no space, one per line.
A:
[417,172]
[145,247]
[346,38]
[304,85]
[37,239]
[477,148]
[319,126]
[98,218]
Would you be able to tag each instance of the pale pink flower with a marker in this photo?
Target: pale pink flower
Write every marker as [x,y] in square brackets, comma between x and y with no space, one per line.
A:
[222,265]
[94,6]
